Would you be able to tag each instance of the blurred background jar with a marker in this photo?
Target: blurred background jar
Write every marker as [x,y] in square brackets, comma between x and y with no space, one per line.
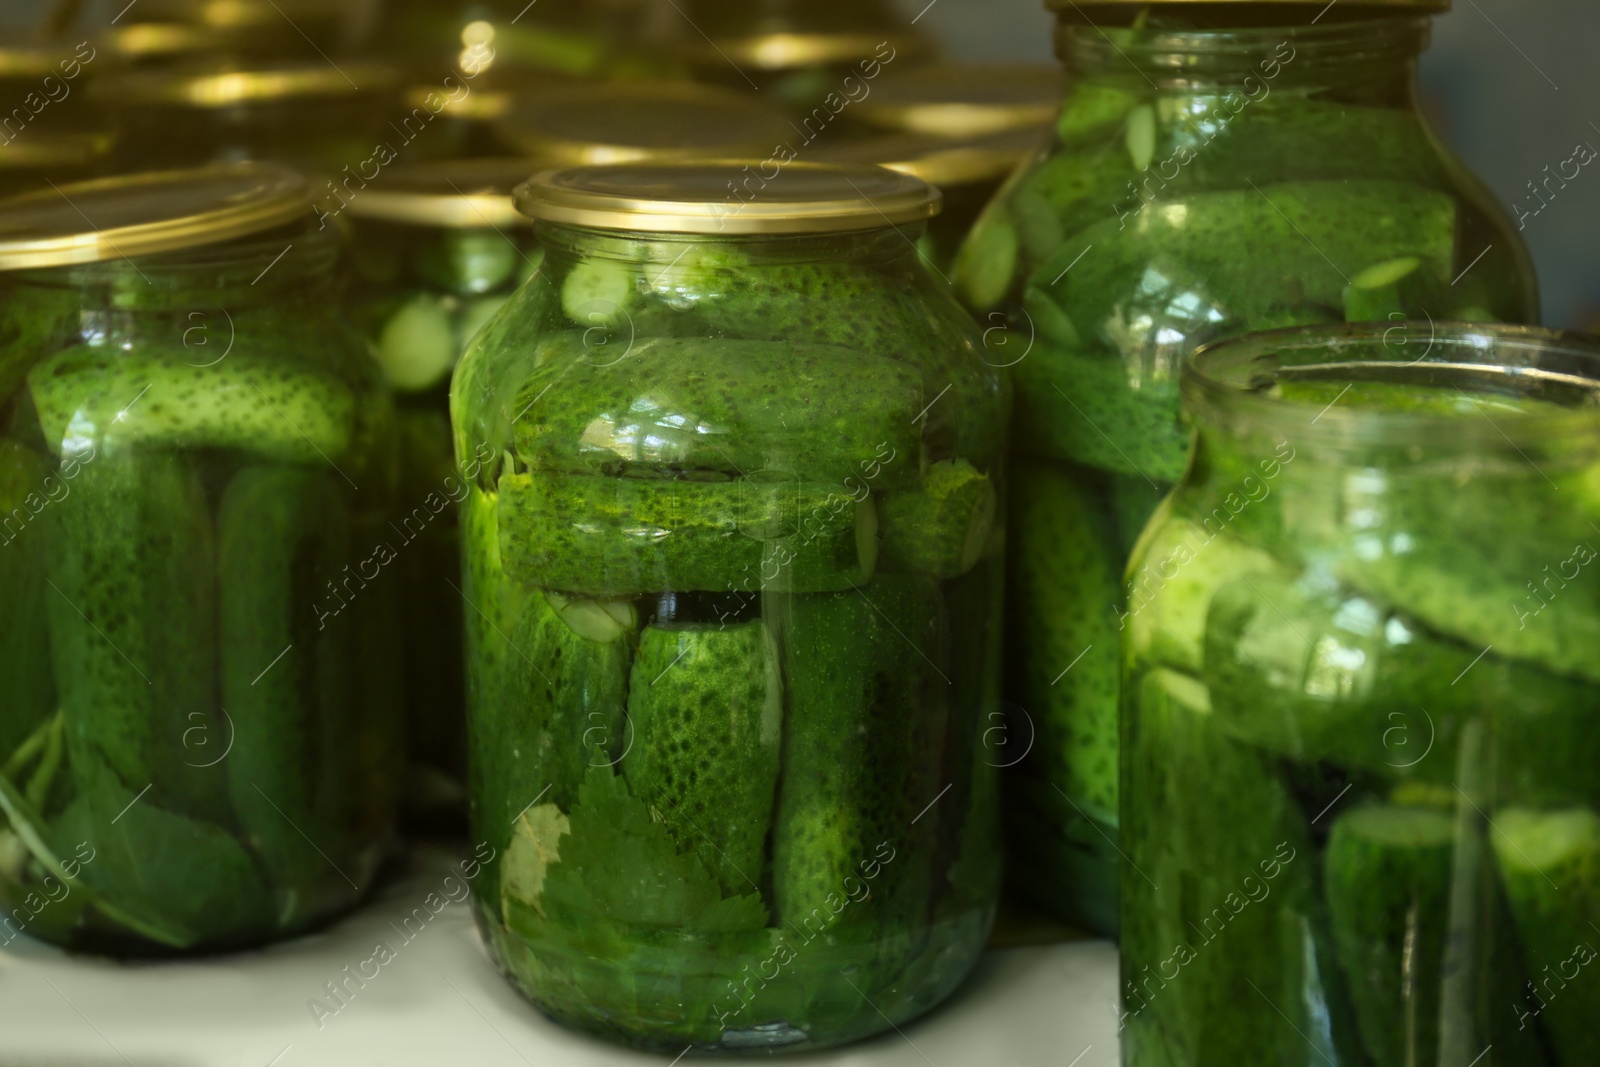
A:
[201,674]
[1215,170]
[733,555]
[33,163]
[790,52]
[1360,821]
[642,121]
[324,119]
[435,250]
[285,29]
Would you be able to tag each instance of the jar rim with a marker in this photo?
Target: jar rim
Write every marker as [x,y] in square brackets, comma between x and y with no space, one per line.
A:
[1229,385]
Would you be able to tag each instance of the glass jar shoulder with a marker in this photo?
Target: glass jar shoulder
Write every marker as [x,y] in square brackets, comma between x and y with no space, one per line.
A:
[684,355]
[1216,195]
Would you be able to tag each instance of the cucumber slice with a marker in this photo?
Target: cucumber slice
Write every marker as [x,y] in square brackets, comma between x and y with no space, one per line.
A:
[467,262]
[623,536]
[941,529]
[1550,864]
[133,638]
[707,711]
[262,406]
[1141,136]
[1387,877]
[815,412]
[987,262]
[417,346]
[284,535]
[598,292]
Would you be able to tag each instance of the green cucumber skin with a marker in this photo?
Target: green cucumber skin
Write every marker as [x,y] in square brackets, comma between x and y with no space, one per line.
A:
[1216,824]
[559,709]
[812,412]
[864,732]
[284,533]
[264,407]
[603,536]
[1065,394]
[1556,928]
[1064,592]
[29,694]
[927,530]
[133,549]
[1389,903]
[706,708]
[1276,659]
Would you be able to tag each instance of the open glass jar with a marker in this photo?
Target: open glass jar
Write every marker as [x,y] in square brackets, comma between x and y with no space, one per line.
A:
[1359,811]
[733,562]
[197,742]
[1216,169]
[436,251]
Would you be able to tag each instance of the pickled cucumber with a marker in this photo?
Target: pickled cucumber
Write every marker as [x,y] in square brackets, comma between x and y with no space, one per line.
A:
[1550,864]
[1387,874]
[283,536]
[706,704]
[603,536]
[942,528]
[810,411]
[132,559]
[271,409]
[860,736]
[27,489]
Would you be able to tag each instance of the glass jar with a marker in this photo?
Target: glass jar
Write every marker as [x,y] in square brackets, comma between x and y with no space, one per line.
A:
[589,38]
[197,742]
[1215,170]
[1359,806]
[42,158]
[968,171]
[642,121]
[733,562]
[794,53]
[436,251]
[331,122]
[961,100]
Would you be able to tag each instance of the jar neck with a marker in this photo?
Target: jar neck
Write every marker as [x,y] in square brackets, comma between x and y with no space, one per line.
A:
[291,263]
[879,247]
[1221,46]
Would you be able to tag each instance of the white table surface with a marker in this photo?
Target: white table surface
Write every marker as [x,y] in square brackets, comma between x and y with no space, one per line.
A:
[441,1002]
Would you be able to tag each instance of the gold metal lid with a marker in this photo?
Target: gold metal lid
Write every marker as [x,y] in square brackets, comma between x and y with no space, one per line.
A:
[210,85]
[788,51]
[243,14]
[804,198]
[21,61]
[1312,5]
[489,96]
[54,150]
[642,121]
[140,41]
[964,99]
[460,194]
[139,214]
[936,160]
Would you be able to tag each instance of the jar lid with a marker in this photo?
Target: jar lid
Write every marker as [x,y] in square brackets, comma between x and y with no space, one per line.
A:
[211,85]
[22,61]
[139,214]
[490,95]
[964,99]
[937,160]
[460,194]
[1311,5]
[641,121]
[141,41]
[789,51]
[803,198]
[54,150]
[243,14]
